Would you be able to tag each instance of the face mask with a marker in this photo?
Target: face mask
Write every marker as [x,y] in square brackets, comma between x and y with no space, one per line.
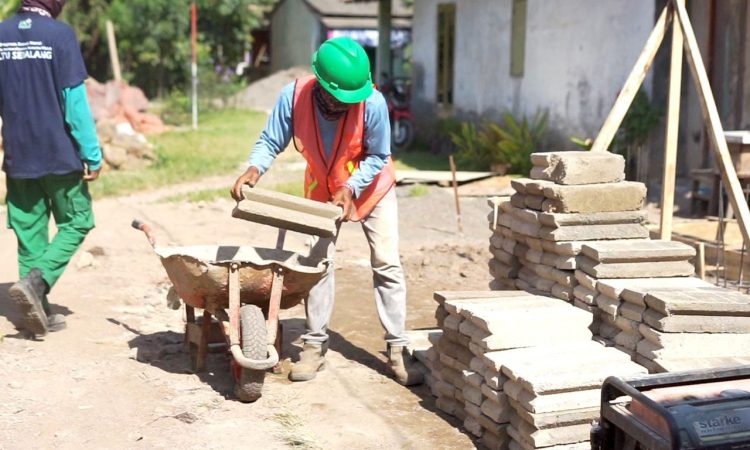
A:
[330,108]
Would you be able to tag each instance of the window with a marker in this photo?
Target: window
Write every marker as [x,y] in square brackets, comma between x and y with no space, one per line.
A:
[446,32]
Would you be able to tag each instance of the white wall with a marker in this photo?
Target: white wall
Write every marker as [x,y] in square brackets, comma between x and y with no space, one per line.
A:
[578,55]
[295,35]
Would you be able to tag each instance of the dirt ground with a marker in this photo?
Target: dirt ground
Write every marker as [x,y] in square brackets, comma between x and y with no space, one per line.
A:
[119,376]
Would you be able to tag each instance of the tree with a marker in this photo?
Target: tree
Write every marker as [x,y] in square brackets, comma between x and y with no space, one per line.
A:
[153,36]
[8,7]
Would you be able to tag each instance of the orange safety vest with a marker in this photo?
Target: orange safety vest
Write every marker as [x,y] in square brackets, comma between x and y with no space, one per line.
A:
[323,177]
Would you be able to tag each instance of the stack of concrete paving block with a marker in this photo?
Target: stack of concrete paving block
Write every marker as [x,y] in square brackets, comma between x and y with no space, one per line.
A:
[475,323]
[573,198]
[422,348]
[704,325]
[554,391]
[601,264]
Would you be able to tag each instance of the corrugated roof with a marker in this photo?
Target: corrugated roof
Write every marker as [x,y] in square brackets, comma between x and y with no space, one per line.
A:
[366,23]
[357,8]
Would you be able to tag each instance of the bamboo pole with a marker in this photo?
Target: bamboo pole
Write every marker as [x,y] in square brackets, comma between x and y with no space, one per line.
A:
[114,57]
[673,126]
[633,83]
[455,193]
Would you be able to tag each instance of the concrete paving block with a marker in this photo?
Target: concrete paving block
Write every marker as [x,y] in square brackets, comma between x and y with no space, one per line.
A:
[442,296]
[477,365]
[287,211]
[550,403]
[502,284]
[519,184]
[682,364]
[535,280]
[554,220]
[536,187]
[473,427]
[557,418]
[472,331]
[538,173]
[518,200]
[562,292]
[504,257]
[579,167]
[696,324]
[534,256]
[472,395]
[563,277]
[473,378]
[587,373]
[636,288]
[498,412]
[506,341]
[632,311]
[635,270]
[608,331]
[585,280]
[447,405]
[451,323]
[585,295]
[445,389]
[699,300]
[641,251]
[529,435]
[534,243]
[452,376]
[625,324]
[550,353]
[477,349]
[609,306]
[667,340]
[534,317]
[509,245]
[496,241]
[489,393]
[681,345]
[494,378]
[526,215]
[501,270]
[565,262]
[534,202]
[594,232]
[450,350]
[525,228]
[622,196]
[628,340]
[631,353]
[456,338]
[496,441]
[520,250]
[563,248]
[588,308]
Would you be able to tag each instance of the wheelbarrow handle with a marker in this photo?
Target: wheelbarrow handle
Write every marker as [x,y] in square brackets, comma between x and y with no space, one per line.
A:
[146,229]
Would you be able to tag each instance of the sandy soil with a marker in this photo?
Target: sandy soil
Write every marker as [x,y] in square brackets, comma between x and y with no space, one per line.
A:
[119,376]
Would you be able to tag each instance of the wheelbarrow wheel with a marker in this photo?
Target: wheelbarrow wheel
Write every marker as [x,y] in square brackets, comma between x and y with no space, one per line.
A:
[254,346]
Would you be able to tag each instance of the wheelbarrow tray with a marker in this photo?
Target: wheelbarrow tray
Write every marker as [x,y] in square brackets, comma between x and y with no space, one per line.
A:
[200,274]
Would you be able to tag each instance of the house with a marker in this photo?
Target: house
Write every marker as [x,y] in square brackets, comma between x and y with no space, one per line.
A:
[298,27]
[480,58]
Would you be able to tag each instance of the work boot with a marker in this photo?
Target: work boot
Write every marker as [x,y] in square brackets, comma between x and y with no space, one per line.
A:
[28,293]
[311,361]
[55,322]
[402,367]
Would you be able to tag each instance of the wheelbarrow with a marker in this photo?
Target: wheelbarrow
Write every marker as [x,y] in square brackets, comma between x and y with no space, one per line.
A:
[241,289]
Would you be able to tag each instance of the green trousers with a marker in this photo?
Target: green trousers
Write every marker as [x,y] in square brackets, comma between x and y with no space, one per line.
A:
[30,204]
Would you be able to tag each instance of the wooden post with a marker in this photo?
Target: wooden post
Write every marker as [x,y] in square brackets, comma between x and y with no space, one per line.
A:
[700,260]
[633,83]
[113,55]
[455,193]
[673,125]
[713,121]
[383,55]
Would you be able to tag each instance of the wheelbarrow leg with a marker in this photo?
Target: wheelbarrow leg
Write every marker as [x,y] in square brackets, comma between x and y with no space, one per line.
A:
[277,369]
[197,338]
[200,361]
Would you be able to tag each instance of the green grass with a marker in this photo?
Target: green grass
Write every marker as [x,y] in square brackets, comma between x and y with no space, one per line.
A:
[293,188]
[421,161]
[419,190]
[221,143]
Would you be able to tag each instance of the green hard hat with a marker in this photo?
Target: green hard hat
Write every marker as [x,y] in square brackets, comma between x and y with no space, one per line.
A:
[343,69]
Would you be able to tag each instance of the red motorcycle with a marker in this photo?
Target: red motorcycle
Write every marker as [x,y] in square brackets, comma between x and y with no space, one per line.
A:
[397,95]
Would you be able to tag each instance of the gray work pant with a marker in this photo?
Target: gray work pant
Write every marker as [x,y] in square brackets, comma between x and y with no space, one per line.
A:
[381,230]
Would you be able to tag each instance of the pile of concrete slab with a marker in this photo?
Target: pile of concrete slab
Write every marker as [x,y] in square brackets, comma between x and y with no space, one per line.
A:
[473,324]
[554,390]
[572,198]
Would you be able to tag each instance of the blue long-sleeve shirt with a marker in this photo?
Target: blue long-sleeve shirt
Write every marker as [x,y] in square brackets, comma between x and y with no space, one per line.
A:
[377,139]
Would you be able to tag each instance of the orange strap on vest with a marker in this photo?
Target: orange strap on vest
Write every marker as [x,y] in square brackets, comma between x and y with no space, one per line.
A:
[324,177]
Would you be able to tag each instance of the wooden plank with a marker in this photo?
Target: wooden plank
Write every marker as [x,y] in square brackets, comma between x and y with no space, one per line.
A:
[632,84]
[518,38]
[713,121]
[673,126]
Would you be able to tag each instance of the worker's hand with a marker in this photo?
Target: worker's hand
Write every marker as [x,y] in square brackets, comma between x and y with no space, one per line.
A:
[250,178]
[91,175]
[343,198]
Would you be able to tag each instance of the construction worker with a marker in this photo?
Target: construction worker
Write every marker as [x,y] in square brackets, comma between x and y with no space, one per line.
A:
[339,123]
[51,152]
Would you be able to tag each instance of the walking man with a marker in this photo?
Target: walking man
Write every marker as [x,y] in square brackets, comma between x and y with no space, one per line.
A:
[51,152]
[340,125]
